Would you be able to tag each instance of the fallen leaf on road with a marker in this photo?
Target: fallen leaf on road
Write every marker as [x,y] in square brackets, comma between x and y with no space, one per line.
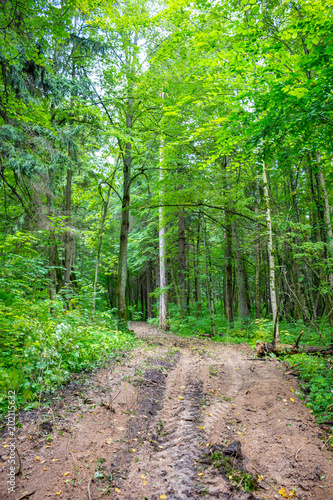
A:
[66,473]
[286,494]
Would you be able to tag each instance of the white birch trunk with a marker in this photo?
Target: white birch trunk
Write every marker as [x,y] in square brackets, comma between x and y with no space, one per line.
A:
[163,313]
[271,256]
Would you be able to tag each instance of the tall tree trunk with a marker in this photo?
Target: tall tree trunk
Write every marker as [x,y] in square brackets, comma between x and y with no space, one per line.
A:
[100,239]
[53,251]
[228,269]
[149,291]
[67,232]
[210,298]
[197,271]
[257,253]
[182,262]
[327,214]
[243,310]
[163,322]
[228,249]
[124,229]
[270,250]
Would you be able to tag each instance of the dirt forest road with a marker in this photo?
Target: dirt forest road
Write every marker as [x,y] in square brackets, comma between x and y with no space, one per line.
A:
[176,419]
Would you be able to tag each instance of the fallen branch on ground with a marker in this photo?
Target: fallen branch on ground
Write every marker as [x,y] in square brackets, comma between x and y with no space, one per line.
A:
[264,348]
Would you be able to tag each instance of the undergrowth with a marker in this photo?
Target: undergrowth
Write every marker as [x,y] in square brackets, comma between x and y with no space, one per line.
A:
[41,344]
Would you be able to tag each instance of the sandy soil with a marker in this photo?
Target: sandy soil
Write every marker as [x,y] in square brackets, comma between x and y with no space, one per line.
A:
[146,428]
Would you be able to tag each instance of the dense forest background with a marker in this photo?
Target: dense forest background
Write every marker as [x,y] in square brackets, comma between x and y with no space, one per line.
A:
[164,161]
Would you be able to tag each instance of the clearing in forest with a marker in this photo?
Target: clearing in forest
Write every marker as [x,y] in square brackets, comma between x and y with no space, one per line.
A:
[176,419]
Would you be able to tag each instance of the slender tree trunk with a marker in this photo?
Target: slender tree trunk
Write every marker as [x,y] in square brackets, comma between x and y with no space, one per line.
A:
[327,214]
[149,291]
[228,269]
[124,230]
[163,272]
[143,290]
[210,298]
[182,262]
[257,254]
[100,239]
[53,257]
[243,310]
[197,271]
[67,232]
[163,322]
[271,257]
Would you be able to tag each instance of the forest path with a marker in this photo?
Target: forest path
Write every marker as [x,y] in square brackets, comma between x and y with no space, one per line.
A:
[145,428]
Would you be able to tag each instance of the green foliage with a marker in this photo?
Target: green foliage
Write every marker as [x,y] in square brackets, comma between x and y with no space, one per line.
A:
[40,349]
[316,374]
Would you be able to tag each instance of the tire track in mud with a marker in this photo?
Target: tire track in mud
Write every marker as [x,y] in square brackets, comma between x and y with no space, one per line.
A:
[174,440]
[180,442]
[178,436]
[211,397]
[230,382]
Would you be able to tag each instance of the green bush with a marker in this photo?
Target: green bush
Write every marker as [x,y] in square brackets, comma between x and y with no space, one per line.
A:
[40,349]
[317,383]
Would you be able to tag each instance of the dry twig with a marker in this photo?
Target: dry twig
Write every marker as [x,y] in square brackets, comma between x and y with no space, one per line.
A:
[325,443]
[297,452]
[20,463]
[89,494]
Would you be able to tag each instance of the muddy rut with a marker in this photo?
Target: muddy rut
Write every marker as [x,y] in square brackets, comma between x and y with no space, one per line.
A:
[163,424]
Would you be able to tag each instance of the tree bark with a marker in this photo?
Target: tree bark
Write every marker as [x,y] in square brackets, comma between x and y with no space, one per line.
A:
[257,254]
[100,239]
[124,230]
[182,262]
[271,257]
[243,310]
[210,298]
[263,348]
[149,291]
[163,313]
[67,232]
[327,214]
[197,271]
[228,269]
